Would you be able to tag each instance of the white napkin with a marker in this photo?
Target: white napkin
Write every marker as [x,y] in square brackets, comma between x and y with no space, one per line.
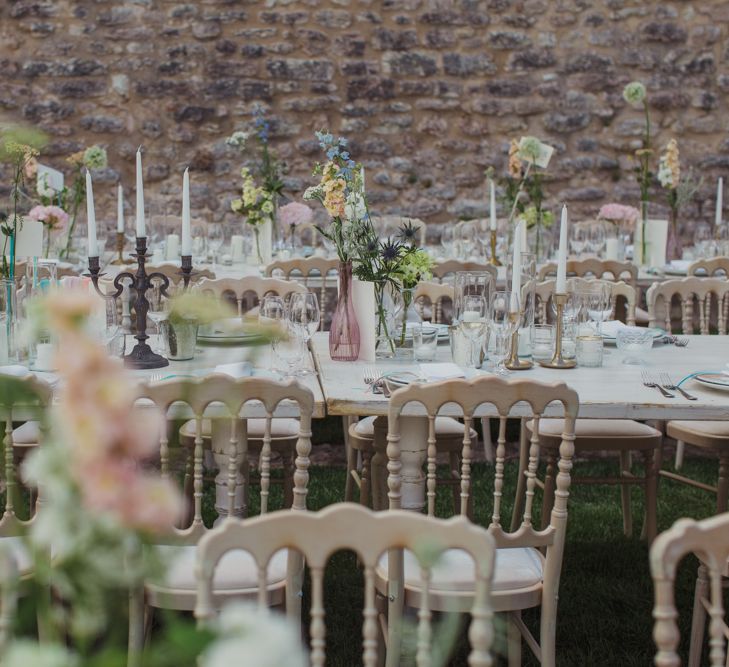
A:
[679,264]
[16,370]
[441,371]
[237,370]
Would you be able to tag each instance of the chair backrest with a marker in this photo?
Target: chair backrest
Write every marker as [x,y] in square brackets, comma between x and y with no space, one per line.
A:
[248,291]
[222,393]
[432,294]
[709,540]
[716,266]
[690,291]
[308,231]
[174,275]
[598,268]
[618,290]
[21,399]
[316,536]
[308,271]
[450,267]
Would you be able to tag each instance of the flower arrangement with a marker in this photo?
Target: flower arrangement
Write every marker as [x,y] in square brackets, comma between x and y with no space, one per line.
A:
[255,203]
[19,147]
[292,215]
[619,214]
[54,220]
[341,190]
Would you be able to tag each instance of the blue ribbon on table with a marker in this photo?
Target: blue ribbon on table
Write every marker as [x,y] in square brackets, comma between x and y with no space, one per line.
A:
[693,375]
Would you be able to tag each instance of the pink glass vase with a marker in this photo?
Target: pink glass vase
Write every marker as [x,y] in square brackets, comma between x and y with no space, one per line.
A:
[344,332]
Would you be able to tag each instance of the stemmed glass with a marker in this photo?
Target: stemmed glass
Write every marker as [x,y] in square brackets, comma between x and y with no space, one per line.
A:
[502,325]
[304,317]
[578,240]
[216,237]
[473,323]
[157,312]
[597,300]
[447,240]
[272,314]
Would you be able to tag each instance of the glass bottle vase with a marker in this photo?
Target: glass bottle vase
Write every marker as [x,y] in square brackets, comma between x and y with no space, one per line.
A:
[344,338]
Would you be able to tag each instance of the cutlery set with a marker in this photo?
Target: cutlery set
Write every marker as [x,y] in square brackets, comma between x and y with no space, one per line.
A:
[664,384]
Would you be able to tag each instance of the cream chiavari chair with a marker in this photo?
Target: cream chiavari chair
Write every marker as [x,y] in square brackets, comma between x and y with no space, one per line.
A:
[709,541]
[528,560]
[174,275]
[613,435]
[443,271]
[715,267]
[597,268]
[344,526]
[432,294]
[711,295]
[237,577]
[308,230]
[247,292]
[304,270]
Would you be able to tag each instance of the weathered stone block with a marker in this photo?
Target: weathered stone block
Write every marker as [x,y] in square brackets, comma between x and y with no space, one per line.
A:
[409,64]
[301,69]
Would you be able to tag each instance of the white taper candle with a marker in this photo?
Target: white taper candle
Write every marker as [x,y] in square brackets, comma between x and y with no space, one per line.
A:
[719,201]
[492,204]
[561,286]
[186,236]
[141,227]
[120,209]
[516,270]
[91,217]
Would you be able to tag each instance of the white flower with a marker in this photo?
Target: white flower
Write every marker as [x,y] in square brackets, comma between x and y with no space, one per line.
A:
[253,636]
[665,176]
[314,192]
[25,653]
[237,139]
[355,207]
[42,187]
[634,92]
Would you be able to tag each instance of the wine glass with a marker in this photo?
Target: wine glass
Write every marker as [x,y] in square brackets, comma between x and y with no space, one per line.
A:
[289,350]
[578,239]
[272,315]
[503,325]
[216,237]
[304,316]
[473,323]
[597,299]
[447,239]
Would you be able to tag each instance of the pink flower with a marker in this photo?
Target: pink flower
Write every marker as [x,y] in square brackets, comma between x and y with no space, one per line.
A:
[294,214]
[619,213]
[53,217]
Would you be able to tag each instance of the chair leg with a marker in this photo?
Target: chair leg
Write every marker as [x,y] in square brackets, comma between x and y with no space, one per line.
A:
[680,448]
[698,620]
[723,485]
[651,496]
[351,468]
[513,639]
[289,466]
[364,489]
[519,498]
[625,465]
[136,627]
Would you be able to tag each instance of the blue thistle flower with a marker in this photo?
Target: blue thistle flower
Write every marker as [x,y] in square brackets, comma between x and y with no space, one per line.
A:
[390,250]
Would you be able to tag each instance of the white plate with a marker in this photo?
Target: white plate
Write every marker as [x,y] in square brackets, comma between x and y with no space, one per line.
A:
[657,333]
[716,380]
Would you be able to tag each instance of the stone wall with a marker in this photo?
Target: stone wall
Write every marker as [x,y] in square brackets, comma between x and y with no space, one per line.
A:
[428,91]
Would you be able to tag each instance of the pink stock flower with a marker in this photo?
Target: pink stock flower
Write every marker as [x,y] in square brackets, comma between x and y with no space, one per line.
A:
[619,213]
[53,217]
[294,214]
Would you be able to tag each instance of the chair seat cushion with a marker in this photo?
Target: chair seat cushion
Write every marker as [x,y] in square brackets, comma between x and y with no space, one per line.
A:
[27,434]
[236,570]
[600,433]
[515,569]
[443,426]
[700,433]
[281,427]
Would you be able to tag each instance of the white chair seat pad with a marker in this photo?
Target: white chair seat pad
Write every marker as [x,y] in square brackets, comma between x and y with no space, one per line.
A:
[600,428]
[236,570]
[281,427]
[27,434]
[443,426]
[684,429]
[515,569]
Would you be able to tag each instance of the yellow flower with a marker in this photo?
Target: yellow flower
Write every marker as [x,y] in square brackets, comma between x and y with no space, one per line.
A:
[514,161]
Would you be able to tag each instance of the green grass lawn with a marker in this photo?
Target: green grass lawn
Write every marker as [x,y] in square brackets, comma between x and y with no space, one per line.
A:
[606,594]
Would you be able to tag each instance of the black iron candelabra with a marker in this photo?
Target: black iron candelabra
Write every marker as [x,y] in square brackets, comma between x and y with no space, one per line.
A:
[141,355]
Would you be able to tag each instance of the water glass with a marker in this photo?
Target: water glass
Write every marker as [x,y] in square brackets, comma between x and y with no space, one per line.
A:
[425,342]
[589,351]
[502,325]
[634,343]
[569,339]
[473,319]
[543,342]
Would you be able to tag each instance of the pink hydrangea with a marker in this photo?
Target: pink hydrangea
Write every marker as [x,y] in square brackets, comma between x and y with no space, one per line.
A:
[294,214]
[619,213]
[53,217]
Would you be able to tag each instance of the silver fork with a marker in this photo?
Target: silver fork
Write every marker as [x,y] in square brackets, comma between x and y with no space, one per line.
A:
[648,382]
[155,377]
[681,342]
[667,384]
[370,375]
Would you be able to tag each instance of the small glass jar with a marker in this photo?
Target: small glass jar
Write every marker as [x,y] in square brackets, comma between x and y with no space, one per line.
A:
[425,342]
[543,342]
[569,339]
[589,350]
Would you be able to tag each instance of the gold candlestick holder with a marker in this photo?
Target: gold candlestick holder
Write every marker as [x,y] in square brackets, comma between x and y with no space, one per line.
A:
[494,259]
[514,363]
[120,251]
[558,361]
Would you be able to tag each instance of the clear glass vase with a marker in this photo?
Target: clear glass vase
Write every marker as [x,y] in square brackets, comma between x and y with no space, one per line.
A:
[344,337]
[9,321]
[674,245]
[386,311]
